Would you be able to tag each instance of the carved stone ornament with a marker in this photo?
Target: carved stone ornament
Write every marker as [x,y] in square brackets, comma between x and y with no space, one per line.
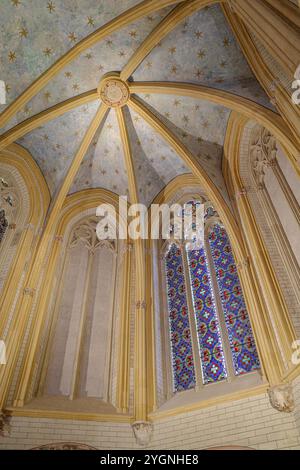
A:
[263,151]
[4,425]
[114,92]
[281,397]
[142,432]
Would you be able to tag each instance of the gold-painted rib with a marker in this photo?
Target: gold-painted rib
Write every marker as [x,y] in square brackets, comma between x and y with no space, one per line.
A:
[140,372]
[133,192]
[144,8]
[41,118]
[212,191]
[160,31]
[248,108]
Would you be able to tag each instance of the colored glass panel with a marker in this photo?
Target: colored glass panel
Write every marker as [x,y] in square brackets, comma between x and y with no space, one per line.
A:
[243,349]
[181,342]
[209,338]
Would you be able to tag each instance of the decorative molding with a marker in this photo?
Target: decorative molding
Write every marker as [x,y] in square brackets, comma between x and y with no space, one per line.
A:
[282,398]
[72,415]
[64,446]
[142,431]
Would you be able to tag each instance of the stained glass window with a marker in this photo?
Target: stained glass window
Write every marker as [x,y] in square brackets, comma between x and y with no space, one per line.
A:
[180,332]
[243,349]
[210,343]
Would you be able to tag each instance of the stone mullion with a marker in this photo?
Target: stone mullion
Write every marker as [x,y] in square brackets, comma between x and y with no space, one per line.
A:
[220,315]
[192,321]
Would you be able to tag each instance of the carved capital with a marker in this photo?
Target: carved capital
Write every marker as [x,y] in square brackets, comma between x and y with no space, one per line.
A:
[282,398]
[142,431]
[4,424]
[141,304]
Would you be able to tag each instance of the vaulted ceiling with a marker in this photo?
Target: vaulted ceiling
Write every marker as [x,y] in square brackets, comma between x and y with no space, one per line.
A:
[201,49]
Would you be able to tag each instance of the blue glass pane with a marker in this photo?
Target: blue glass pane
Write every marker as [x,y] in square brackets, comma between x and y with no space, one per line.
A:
[210,343]
[244,353]
[181,343]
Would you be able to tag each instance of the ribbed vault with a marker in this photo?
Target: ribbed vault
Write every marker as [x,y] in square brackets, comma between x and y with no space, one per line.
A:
[52,111]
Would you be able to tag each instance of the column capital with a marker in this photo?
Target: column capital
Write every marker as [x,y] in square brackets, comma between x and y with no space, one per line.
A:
[142,432]
[281,397]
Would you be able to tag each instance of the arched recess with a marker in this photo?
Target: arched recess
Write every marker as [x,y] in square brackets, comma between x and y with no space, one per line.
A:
[250,209]
[180,190]
[77,218]
[25,198]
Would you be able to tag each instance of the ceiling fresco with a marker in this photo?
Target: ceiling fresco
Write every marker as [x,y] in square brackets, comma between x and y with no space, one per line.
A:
[202,49]
[84,73]
[54,145]
[36,33]
[103,165]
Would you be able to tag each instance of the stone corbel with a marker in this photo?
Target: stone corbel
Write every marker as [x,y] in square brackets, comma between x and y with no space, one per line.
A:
[282,397]
[4,425]
[142,432]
